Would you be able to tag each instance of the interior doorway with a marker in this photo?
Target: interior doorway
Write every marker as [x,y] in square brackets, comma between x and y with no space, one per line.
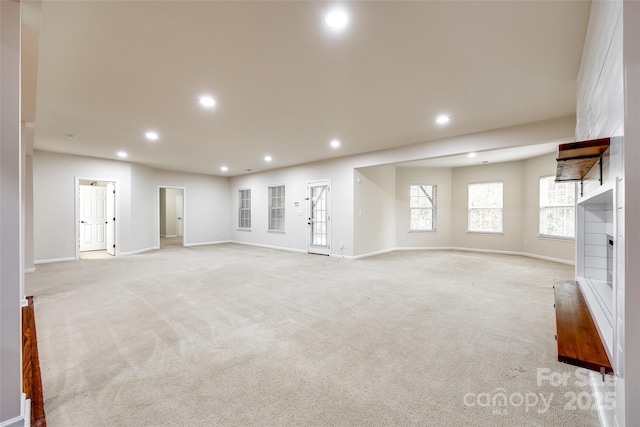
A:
[171,216]
[96,218]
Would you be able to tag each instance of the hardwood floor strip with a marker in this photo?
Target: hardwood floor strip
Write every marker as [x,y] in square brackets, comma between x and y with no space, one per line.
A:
[32,382]
[579,342]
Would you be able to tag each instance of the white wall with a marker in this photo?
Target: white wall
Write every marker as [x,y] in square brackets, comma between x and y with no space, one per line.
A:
[295,180]
[600,101]
[205,206]
[441,177]
[629,318]
[341,173]
[512,176]
[137,226]
[11,259]
[600,113]
[374,218]
[143,231]
[54,201]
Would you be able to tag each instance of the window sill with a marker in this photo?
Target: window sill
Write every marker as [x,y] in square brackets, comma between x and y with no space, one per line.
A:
[244,229]
[277,231]
[422,231]
[550,237]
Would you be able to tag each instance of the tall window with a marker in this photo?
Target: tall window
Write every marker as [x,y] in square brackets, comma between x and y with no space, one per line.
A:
[557,208]
[244,209]
[422,206]
[485,207]
[276,208]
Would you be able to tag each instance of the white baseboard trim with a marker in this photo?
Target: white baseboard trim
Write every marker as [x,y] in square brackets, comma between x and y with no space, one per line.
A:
[49,261]
[30,270]
[495,251]
[280,248]
[384,251]
[453,248]
[168,235]
[219,242]
[139,251]
[424,248]
[22,420]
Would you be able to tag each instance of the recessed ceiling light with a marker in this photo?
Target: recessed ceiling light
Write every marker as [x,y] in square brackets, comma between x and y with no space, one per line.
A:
[443,119]
[335,143]
[337,19]
[122,154]
[267,158]
[207,101]
[224,168]
[152,135]
[472,155]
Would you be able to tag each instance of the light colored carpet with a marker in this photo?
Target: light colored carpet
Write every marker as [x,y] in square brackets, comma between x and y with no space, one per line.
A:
[234,335]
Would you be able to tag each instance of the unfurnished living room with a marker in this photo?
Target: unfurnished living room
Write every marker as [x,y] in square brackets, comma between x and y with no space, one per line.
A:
[372,213]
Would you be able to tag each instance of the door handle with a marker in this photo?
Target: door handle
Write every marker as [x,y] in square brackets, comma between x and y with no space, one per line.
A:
[83,222]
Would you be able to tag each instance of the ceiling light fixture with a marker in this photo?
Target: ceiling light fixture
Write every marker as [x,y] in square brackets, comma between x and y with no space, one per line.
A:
[337,19]
[472,155]
[207,101]
[224,168]
[267,158]
[122,154]
[443,119]
[152,135]
[335,143]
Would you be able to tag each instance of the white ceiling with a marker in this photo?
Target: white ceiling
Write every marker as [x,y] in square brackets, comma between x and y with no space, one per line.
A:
[286,85]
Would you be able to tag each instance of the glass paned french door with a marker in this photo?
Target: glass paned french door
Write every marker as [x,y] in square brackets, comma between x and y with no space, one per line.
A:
[319,217]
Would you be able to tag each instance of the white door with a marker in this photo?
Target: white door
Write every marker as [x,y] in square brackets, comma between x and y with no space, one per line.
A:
[319,217]
[93,218]
[179,214]
[111,218]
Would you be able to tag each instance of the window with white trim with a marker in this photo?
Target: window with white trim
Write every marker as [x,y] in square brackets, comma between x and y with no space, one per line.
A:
[485,207]
[422,207]
[557,208]
[244,209]
[276,208]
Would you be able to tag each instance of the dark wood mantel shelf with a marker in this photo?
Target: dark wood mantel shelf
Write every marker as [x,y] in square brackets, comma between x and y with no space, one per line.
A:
[577,158]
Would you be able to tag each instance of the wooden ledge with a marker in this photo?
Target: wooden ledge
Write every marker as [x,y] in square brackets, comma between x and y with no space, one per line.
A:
[31,380]
[578,339]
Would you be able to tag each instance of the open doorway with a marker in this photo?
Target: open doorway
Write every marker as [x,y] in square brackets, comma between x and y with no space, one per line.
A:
[171,214]
[96,218]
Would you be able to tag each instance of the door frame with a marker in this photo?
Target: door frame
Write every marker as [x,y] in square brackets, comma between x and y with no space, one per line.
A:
[317,183]
[184,213]
[76,211]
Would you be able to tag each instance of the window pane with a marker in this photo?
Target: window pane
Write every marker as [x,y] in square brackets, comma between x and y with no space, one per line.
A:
[485,207]
[557,207]
[276,208]
[422,204]
[244,209]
